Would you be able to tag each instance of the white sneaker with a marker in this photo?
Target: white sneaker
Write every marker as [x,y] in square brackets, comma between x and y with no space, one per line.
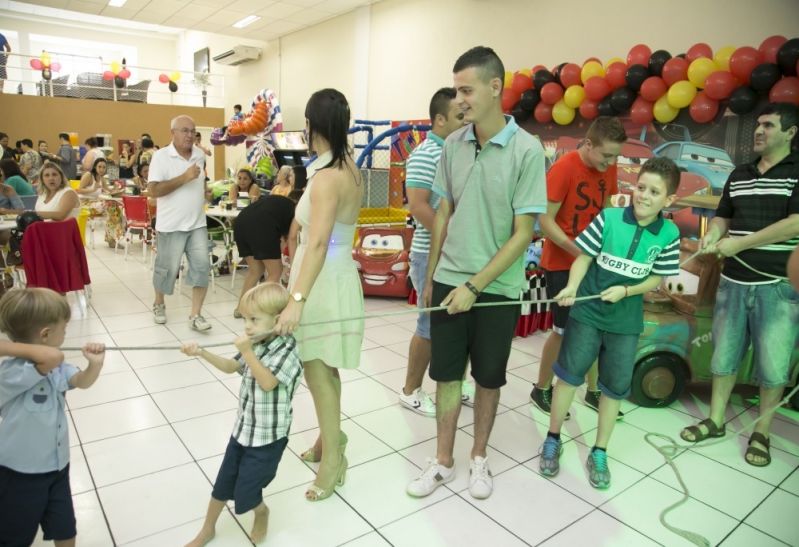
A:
[419,402]
[199,323]
[467,393]
[431,478]
[159,314]
[480,482]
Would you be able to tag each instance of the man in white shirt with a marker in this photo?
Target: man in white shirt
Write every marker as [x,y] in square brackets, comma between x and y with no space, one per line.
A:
[176,180]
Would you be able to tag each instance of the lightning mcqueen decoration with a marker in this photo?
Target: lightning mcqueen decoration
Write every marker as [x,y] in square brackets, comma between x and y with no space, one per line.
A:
[381,256]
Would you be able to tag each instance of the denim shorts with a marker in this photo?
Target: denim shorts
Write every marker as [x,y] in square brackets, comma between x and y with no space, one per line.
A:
[767,316]
[582,343]
[171,247]
[418,273]
[246,471]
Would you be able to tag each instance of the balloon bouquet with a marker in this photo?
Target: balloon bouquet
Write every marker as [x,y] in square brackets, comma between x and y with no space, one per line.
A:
[654,86]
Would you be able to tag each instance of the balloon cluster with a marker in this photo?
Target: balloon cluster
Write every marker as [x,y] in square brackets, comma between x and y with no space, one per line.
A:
[254,122]
[118,73]
[656,86]
[46,65]
[171,79]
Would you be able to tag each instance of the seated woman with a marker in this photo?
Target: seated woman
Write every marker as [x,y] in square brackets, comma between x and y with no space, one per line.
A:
[57,201]
[284,182]
[13,177]
[245,182]
[142,174]
[92,182]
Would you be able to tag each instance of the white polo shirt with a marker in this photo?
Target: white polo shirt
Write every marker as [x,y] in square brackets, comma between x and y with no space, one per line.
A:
[184,209]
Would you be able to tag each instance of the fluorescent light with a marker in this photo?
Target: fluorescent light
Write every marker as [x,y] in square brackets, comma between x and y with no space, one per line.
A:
[116,3]
[250,19]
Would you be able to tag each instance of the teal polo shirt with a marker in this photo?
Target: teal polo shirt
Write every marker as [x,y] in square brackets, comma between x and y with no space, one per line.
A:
[487,187]
[625,253]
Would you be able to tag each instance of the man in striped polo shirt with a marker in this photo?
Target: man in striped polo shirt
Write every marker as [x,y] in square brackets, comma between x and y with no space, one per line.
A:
[755,228]
[445,117]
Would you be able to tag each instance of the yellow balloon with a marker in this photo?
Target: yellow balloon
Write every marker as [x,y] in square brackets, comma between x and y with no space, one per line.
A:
[45,58]
[115,66]
[591,69]
[175,76]
[574,96]
[526,72]
[663,111]
[508,78]
[561,113]
[681,94]
[699,70]
[722,57]
[614,60]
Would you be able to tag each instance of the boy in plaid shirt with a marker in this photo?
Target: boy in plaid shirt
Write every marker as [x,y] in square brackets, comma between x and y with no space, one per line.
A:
[270,369]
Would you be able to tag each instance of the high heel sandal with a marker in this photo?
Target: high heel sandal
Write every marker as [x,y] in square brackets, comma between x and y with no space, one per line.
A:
[311,456]
[315,493]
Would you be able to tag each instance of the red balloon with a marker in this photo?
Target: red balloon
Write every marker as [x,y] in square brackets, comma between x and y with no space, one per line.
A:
[785,91]
[743,61]
[521,82]
[36,64]
[124,73]
[770,46]
[163,78]
[616,75]
[653,89]
[674,70]
[589,109]
[639,55]
[509,99]
[570,75]
[108,75]
[703,109]
[536,68]
[641,111]
[551,93]
[698,50]
[543,112]
[720,85]
[596,88]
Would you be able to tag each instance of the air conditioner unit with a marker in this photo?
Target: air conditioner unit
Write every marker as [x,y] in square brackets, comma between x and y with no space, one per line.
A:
[238,55]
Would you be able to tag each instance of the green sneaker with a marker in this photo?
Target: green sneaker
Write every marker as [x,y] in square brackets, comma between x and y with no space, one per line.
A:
[598,472]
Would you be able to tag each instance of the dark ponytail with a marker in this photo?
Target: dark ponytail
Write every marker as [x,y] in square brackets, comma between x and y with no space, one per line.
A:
[328,116]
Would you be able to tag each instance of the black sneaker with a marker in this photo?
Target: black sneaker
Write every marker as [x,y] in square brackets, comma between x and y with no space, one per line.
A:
[592,401]
[542,398]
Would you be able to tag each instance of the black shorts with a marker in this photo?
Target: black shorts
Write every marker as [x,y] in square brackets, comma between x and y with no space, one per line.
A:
[28,500]
[556,282]
[255,238]
[482,335]
[246,471]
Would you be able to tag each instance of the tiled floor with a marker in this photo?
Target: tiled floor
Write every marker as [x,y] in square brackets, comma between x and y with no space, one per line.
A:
[148,438]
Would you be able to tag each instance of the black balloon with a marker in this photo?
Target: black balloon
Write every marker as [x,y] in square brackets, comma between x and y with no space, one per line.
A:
[605,107]
[636,75]
[519,114]
[764,76]
[787,56]
[680,55]
[46,74]
[556,72]
[622,99]
[657,60]
[541,78]
[529,100]
[743,100]
[173,86]
[119,81]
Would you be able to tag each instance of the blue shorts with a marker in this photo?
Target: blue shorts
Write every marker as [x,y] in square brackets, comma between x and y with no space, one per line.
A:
[767,316]
[246,471]
[418,273]
[171,247]
[28,500]
[582,343]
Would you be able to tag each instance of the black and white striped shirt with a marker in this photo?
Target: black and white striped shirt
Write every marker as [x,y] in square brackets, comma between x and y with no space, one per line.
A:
[752,201]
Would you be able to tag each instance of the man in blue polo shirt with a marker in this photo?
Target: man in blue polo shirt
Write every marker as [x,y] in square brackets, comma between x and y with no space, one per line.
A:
[492,185]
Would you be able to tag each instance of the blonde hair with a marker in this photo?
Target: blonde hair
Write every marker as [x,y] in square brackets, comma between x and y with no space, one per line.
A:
[23,312]
[269,298]
[42,186]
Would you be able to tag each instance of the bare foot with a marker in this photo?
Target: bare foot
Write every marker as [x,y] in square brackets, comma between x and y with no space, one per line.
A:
[202,538]
[260,524]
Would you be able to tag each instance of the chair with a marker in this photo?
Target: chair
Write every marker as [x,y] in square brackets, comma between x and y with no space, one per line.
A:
[29,202]
[138,219]
[54,257]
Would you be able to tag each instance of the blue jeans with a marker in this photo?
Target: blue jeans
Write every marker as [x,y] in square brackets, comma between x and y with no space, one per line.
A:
[582,343]
[418,272]
[171,247]
[767,316]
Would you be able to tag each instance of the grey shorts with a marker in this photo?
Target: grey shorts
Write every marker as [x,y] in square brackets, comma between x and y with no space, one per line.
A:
[171,248]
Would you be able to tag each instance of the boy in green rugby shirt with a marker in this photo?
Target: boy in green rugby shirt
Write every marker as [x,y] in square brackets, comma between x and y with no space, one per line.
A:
[626,252]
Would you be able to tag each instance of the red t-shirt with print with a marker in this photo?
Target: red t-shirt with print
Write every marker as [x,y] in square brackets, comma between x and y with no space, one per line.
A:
[582,192]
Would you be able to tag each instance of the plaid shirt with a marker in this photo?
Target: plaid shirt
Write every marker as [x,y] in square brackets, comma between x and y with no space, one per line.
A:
[265,416]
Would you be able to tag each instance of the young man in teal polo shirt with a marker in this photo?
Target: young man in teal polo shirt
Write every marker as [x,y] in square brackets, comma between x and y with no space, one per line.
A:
[626,252]
[492,185]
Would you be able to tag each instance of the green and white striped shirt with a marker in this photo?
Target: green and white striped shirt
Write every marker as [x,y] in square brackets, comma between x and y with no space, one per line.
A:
[420,172]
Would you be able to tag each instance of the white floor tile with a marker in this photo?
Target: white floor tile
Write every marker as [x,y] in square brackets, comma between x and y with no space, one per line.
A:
[387,334]
[791,484]
[397,426]
[365,395]
[517,436]
[777,517]
[79,478]
[208,435]
[145,336]
[377,360]
[362,446]
[228,534]
[174,375]
[372,539]
[600,530]
[107,388]
[111,419]
[192,402]
[746,536]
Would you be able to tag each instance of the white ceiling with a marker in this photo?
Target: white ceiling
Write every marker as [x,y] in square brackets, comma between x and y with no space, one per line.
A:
[277,18]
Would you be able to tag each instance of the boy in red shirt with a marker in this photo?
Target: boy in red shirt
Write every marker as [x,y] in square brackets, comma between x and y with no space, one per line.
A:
[579,186]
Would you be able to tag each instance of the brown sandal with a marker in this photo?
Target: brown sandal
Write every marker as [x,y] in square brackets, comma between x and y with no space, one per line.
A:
[698,435]
[758,452]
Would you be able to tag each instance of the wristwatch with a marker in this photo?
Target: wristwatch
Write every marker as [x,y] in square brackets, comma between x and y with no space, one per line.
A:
[298,297]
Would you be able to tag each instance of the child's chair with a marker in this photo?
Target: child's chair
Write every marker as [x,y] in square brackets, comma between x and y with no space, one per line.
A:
[137,219]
